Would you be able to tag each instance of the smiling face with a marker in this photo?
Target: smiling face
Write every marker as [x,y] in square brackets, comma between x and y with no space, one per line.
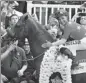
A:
[63,20]
[83,20]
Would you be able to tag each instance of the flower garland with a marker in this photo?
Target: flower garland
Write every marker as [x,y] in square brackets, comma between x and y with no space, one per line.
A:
[53,61]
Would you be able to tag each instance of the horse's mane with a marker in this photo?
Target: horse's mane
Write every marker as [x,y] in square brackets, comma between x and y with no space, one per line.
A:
[39,27]
[29,28]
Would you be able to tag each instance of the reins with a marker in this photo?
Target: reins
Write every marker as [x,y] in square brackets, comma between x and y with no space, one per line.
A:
[33,58]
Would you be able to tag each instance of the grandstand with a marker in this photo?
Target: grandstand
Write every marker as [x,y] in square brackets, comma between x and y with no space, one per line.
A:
[44,10]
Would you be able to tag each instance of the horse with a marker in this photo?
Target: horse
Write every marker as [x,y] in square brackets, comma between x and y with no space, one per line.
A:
[28,28]
[36,34]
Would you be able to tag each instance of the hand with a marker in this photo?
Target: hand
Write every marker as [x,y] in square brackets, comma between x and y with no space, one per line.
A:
[4,78]
[16,42]
[20,73]
[34,73]
[13,46]
[4,10]
[46,45]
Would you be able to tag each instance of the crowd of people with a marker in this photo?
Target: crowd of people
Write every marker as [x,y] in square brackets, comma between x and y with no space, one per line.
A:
[13,68]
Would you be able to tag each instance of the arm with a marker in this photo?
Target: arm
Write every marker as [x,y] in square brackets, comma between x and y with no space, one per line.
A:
[67,31]
[59,42]
[3,78]
[6,53]
[75,16]
[24,67]
[3,31]
[10,32]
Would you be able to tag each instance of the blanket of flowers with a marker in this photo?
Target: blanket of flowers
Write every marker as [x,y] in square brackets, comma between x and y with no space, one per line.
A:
[53,61]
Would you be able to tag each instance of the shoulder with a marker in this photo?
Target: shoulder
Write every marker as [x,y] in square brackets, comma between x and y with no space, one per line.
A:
[21,52]
[73,25]
[83,27]
[19,49]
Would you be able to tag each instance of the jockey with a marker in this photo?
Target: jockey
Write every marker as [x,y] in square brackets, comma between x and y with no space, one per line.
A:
[80,46]
[72,31]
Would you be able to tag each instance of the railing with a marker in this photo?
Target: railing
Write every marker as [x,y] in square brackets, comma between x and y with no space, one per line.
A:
[44,10]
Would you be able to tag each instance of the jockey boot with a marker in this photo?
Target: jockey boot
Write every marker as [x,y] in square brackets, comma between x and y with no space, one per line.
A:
[68,53]
[74,63]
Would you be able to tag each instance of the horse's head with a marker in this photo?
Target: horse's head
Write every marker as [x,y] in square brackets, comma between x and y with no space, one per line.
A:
[22,27]
[26,25]
[28,28]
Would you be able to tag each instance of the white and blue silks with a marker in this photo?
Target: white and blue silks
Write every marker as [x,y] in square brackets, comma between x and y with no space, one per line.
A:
[75,45]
